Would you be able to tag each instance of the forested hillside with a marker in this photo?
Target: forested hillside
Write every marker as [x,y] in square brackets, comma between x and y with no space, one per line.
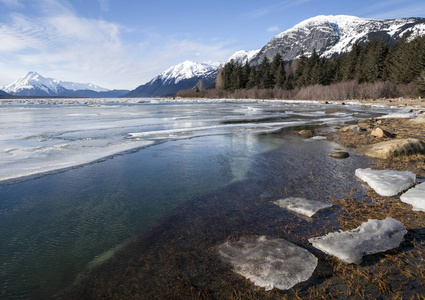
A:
[390,71]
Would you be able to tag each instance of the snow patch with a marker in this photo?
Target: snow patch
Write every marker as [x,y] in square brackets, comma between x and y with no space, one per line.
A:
[387,182]
[415,197]
[303,206]
[371,237]
[269,263]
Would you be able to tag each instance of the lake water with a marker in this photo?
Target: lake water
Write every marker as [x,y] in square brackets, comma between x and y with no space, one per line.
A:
[81,178]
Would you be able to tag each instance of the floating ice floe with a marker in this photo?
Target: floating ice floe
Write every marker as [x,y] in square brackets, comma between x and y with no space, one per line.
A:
[400,115]
[303,206]
[269,263]
[415,197]
[387,182]
[371,237]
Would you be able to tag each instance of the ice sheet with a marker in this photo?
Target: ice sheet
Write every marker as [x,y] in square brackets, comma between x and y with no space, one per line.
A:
[415,197]
[387,182]
[269,263]
[371,237]
[303,206]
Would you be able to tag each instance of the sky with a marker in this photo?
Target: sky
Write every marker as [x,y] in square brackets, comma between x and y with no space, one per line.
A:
[121,44]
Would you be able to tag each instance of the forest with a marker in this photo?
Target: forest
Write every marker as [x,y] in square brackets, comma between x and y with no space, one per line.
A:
[369,71]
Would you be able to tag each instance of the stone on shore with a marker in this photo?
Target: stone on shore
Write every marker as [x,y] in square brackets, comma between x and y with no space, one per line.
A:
[339,154]
[353,128]
[303,206]
[306,133]
[415,197]
[387,182]
[397,147]
[371,237]
[269,263]
[380,133]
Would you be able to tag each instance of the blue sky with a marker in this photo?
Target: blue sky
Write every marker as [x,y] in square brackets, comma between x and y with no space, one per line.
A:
[125,43]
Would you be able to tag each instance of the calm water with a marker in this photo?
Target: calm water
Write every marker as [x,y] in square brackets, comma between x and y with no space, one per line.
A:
[115,170]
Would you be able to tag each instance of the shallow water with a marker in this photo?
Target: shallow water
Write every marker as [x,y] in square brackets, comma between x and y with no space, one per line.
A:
[227,160]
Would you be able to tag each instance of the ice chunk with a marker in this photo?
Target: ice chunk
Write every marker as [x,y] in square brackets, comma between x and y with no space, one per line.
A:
[387,182]
[303,206]
[371,237]
[269,263]
[415,197]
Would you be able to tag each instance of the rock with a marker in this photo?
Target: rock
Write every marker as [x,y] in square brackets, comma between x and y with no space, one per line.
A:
[306,133]
[389,149]
[380,133]
[269,263]
[339,154]
[353,128]
[371,237]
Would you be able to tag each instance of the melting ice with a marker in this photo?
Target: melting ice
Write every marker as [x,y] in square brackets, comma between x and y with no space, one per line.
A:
[387,182]
[371,237]
[415,197]
[303,206]
[269,263]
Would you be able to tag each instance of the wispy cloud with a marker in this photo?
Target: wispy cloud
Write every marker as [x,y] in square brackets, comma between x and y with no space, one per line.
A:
[60,44]
[273,29]
[104,5]
[12,3]
[391,9]
[260,12]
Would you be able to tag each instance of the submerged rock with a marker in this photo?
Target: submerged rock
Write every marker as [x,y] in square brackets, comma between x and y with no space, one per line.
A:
[303,206]
[393,148]
[339,154]
[387,182]
[306,133]
[415,197]
[269,263]
[371,237]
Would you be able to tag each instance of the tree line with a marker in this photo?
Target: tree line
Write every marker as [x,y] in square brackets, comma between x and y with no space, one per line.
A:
[400,63]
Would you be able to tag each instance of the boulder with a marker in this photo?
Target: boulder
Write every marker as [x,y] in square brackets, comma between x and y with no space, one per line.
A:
[306,133]
[339,154]
[353,128]
[380,133]
[389,149]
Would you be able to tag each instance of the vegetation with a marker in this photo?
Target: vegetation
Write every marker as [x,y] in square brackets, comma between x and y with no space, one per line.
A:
[371,70]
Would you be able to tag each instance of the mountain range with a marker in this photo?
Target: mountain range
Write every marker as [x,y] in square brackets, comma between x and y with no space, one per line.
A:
[330,36]
[35,85]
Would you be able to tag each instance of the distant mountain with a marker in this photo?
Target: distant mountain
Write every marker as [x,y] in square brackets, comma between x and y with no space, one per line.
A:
[243,56]
[35,85]
[3,94]
[182,76]
[334,35]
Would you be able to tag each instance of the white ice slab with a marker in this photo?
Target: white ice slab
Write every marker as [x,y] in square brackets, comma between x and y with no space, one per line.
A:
[415,197]
[303,206]
[269,263]
[371,237]
[387,182]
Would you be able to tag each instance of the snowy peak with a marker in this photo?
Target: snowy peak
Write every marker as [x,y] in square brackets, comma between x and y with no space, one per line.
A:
[185,70]
[334,35]
[33,84]
[242,56]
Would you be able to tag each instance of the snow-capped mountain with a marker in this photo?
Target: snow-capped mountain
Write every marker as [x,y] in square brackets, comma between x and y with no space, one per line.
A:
[242,56]
[33,84]
[181,76]
[334,35]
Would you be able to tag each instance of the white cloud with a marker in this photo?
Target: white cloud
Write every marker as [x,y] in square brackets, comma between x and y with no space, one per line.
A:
[273,29]
[60,44]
